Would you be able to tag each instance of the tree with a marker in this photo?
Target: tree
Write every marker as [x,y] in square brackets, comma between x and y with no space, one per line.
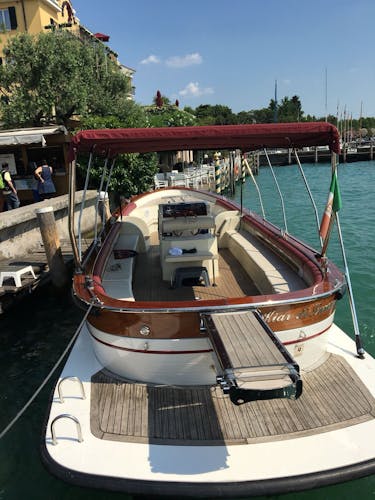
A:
[128,115]
[169,116]
[161,100]
[165,114]
[215,115]
[290,110]
[51,76]
[133,173]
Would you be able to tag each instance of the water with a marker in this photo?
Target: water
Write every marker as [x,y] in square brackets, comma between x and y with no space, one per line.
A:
[36,332]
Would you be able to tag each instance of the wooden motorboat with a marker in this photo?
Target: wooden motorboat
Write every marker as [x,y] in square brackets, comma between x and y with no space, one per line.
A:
[208,362]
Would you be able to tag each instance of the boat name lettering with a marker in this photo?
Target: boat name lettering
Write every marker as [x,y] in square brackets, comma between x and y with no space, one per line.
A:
[306,312]
[275,316]
[315,310]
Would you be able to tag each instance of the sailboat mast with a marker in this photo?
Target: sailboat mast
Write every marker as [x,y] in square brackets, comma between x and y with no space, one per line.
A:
[275,110]
[326,91]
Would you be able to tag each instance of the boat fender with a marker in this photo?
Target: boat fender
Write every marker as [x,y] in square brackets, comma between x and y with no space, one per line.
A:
[341,292]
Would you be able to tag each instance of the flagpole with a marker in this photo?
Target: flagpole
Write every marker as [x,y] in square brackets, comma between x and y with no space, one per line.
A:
[326,239]
[332,208]
[358,339]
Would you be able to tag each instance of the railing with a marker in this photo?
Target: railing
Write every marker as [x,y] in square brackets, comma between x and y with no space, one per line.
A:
[59,389]
[71,417]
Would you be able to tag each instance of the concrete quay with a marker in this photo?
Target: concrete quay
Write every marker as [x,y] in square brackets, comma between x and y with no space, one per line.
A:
[21,242]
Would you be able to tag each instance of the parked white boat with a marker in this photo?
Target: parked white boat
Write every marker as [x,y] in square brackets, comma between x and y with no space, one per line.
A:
[208,363]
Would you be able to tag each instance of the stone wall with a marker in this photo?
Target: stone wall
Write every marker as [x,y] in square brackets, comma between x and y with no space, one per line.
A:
[19,229]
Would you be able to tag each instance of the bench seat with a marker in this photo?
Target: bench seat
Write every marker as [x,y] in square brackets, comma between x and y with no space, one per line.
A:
[269,273]
[118,275]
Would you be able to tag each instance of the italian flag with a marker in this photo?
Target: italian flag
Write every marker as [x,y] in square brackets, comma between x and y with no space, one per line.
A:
[333,203]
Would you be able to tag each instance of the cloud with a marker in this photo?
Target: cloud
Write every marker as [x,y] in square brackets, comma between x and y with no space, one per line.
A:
[151,59]
[184,61]
[192,89]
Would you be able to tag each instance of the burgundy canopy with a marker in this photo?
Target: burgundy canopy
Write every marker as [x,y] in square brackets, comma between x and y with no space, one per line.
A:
[244,137]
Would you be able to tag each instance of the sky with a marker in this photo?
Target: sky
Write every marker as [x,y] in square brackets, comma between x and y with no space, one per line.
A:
[231,52]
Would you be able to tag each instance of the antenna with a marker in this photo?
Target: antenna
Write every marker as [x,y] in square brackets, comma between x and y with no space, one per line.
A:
[275,110]
[326,85]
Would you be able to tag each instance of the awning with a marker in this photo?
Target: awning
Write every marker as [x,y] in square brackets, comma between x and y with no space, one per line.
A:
[244,137]
[35,135]
[102,37]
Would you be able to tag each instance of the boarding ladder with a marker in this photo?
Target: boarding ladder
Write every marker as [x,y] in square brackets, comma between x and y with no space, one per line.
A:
[254,363]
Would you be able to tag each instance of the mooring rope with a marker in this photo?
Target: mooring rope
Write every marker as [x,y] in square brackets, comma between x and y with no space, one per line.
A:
[72,340]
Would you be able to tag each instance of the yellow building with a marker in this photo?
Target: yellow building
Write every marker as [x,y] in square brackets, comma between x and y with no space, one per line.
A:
[38,16]
[23,148]
[31,16]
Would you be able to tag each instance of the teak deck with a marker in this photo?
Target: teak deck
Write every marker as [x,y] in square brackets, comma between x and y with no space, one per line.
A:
[148,285]
[333,397]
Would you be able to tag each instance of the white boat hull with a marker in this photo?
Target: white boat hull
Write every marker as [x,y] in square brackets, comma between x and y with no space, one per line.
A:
[248,469]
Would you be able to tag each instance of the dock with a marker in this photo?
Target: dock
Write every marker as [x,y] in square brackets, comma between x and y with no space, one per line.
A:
[10,293]
[348,154]
[23,255]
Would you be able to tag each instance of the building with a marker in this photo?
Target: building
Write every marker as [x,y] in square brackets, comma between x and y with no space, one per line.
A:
[38,16]
[24,147]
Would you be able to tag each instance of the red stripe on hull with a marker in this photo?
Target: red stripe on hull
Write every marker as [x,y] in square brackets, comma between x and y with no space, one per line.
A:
[297,341]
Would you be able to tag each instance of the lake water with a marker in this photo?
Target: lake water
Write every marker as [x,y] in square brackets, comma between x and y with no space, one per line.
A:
[36,331]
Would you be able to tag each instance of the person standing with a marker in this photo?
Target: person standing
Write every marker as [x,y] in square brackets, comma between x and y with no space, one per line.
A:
[43,174]
[9,191]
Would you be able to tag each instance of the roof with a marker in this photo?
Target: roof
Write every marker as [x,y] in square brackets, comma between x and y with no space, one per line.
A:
[102,37]
[245,137]
[16,137]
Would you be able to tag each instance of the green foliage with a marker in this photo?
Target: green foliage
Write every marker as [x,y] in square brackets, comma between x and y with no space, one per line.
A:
[169,116]
[214,115]
[52,76]
[160,100]
[132,173]
[128,115]
[289,110]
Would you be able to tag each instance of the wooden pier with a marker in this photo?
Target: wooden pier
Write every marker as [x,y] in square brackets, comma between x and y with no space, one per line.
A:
[316,155]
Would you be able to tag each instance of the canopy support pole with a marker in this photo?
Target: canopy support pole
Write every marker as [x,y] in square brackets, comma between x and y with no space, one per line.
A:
[83,205]
[98,197]
[72,190]
[256,186]
[309,191]
[278,189]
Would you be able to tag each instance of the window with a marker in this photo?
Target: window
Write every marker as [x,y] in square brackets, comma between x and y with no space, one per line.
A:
[8,19]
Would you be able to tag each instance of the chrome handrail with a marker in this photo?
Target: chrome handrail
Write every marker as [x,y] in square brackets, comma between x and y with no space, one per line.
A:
[234,307]
[70,378]
[71,417]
